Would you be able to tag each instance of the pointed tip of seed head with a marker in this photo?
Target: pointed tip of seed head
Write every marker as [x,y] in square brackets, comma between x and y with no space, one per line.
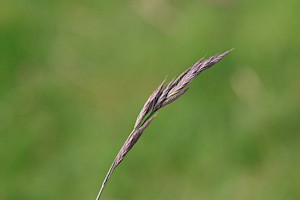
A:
[227,52]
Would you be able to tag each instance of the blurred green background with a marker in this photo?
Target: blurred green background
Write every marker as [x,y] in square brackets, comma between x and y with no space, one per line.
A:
[74,75]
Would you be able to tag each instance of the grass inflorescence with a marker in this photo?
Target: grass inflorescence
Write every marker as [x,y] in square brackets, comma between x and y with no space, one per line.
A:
[162,96]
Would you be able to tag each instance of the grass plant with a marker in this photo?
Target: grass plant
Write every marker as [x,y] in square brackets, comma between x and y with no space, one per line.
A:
[162,96]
